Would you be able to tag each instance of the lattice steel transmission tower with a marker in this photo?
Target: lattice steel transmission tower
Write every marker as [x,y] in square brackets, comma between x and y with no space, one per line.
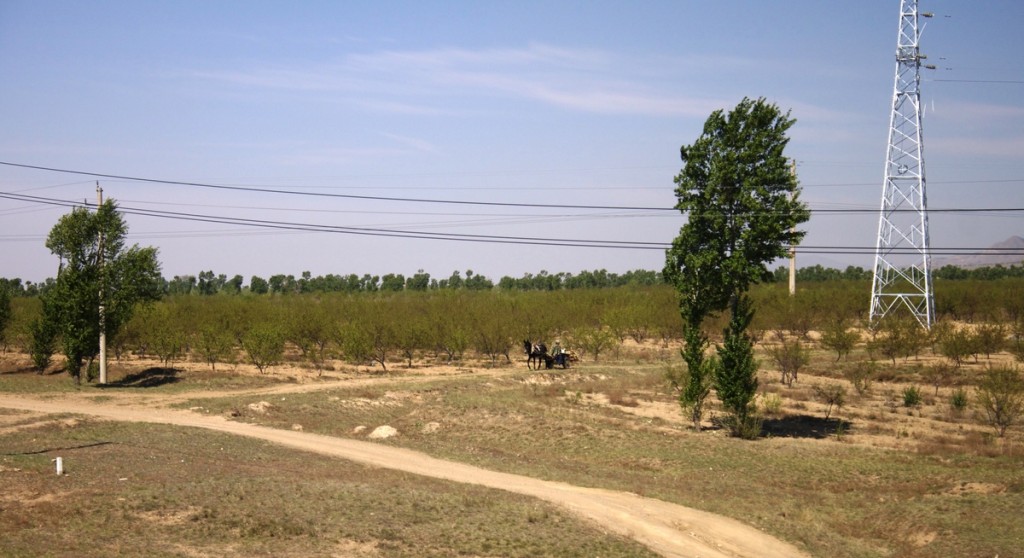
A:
[902,276]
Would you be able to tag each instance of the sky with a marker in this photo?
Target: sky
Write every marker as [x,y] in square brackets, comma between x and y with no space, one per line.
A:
[545,134]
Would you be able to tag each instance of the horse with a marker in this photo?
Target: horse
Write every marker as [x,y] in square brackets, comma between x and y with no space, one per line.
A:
[536,354]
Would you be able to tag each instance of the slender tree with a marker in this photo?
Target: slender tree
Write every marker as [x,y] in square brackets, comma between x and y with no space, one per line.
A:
[95,268]
[742,207]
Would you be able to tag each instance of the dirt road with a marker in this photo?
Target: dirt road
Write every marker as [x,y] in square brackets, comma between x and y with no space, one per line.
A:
[668,529]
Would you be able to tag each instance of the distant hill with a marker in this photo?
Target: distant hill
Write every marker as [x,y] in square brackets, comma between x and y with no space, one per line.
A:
[1007,252]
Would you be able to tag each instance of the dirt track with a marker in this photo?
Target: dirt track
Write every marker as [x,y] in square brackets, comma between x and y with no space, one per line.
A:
[668,529]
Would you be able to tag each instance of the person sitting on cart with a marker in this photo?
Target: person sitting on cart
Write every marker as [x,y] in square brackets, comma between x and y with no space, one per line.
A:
[559,354]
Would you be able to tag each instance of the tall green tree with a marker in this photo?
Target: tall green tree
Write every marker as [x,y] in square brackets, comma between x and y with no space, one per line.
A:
[742,206]
[95,267]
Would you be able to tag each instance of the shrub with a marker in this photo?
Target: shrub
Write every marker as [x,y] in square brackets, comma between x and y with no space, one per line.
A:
[841,430]
[959,400]
[42,343]
[772,404]
[861,375]
[790,357]
[748,427]
[1001,397]
[911,396]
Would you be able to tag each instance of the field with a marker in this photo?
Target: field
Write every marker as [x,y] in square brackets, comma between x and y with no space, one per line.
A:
[877,478]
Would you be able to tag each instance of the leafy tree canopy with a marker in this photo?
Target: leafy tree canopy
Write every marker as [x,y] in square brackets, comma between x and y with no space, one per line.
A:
[96,268]
[742,203]
[742,207]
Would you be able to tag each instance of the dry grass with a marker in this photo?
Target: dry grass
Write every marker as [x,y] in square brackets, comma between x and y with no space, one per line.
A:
[158,491]
[838,497]
[881,480]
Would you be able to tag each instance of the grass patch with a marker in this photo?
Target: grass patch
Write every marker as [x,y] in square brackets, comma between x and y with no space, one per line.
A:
[153,380]
[951,494]
[836,499]
[164,491]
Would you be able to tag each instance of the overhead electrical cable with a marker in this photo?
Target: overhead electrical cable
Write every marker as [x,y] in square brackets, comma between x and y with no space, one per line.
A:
[325,195]
[367,231]
[280,191]
[833,211]
[494,239]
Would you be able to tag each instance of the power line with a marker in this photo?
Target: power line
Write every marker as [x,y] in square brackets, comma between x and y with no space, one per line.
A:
[326,195]
[363,231]
[819,210]
[466,202]
[492,239]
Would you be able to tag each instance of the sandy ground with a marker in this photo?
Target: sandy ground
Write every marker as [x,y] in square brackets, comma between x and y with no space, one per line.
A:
[668,529]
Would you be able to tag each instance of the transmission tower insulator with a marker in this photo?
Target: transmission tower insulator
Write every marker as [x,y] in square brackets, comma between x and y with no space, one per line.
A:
[902,273]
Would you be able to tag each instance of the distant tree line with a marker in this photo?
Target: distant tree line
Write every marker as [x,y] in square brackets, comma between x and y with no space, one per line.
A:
[986,273]
[815,273]
[16,287]
[206,283]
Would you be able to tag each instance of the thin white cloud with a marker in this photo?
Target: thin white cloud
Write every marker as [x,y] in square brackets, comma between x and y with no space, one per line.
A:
[414,144]
[419,82]
[393,145]
[335,155]
[397,107]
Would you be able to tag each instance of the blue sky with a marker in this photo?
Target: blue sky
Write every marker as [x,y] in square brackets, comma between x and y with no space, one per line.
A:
[556,103]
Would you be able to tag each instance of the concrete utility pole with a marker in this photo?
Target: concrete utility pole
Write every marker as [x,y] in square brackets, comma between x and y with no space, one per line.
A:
[902,273]
[103,320]
[792,252]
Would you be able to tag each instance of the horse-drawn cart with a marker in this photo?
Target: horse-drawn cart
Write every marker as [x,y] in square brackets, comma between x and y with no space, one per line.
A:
[537,353]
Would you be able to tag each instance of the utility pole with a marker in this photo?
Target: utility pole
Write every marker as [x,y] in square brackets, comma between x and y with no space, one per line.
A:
[792,250]
[902,271]
[103,320]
